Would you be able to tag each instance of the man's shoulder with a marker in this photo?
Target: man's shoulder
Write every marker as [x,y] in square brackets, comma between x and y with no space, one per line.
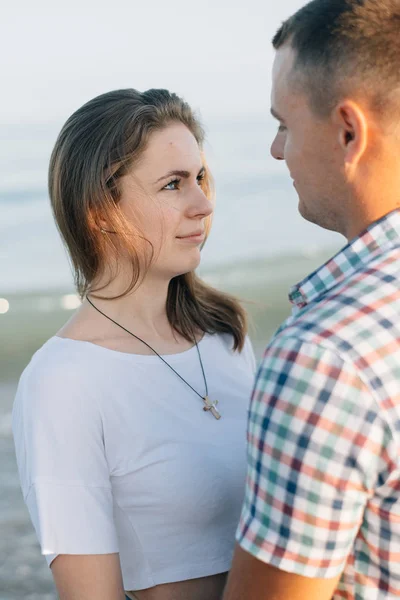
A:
[353,313]
[351,333]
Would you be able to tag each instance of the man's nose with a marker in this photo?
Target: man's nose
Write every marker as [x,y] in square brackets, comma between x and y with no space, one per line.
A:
[278,147]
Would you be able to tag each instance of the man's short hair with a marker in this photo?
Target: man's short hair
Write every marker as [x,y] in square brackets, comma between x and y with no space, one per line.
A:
[346,47]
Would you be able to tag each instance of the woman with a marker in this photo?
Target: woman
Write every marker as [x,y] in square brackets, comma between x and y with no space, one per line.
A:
[132,473]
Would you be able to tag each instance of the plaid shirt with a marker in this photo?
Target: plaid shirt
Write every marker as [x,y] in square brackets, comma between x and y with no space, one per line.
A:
[323,486]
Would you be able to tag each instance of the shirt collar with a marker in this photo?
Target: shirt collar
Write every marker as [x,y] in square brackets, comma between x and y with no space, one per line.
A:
[379,237]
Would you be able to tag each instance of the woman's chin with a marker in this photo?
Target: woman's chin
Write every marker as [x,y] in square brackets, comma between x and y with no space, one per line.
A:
[188,265]
[180,266]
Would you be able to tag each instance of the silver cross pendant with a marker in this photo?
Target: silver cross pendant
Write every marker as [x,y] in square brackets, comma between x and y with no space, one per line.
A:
[211,407]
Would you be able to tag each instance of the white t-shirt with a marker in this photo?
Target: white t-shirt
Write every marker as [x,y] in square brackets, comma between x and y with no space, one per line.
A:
[115,454]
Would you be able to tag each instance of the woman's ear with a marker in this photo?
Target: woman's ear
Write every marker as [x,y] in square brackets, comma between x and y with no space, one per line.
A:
[98,223]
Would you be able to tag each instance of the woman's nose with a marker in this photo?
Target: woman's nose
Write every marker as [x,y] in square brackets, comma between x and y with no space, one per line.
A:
[200,205]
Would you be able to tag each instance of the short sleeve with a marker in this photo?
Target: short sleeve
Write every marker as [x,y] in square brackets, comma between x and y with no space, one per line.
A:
[62,463]
[315,443]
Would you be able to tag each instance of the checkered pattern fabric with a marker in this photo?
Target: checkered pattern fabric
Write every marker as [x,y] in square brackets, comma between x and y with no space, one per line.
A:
[323,486]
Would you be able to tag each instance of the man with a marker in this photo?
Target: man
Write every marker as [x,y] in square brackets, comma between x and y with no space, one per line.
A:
[321,517]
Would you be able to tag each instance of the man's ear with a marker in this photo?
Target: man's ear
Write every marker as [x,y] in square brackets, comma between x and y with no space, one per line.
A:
[351,123]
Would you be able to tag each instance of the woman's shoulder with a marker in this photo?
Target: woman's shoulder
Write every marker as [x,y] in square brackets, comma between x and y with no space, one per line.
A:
[226,342]
[58,371]
[57,358]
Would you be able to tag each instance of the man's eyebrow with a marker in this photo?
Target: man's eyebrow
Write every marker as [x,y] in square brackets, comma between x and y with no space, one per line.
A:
[178,173]
[276,115]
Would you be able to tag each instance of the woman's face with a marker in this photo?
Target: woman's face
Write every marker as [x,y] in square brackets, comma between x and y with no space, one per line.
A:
[163,198]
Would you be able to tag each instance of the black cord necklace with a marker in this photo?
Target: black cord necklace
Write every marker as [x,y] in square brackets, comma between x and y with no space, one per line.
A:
[208,405]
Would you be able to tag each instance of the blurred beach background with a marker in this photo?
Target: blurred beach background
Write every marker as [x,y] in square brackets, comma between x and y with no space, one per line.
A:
[218,56]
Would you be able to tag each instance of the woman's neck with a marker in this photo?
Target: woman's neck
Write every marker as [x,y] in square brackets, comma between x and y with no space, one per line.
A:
[144,308]
[142,313]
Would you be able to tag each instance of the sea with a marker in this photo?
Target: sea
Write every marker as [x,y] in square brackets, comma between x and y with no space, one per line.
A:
[258,248]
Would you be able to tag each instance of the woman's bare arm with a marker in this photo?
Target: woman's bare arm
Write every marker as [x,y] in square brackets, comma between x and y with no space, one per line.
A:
[88,577]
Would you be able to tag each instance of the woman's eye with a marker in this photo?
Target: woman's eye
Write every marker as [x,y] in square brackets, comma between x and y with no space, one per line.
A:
[281,129]
[172,185]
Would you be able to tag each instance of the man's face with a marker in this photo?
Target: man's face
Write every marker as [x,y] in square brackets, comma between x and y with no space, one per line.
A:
[309,146]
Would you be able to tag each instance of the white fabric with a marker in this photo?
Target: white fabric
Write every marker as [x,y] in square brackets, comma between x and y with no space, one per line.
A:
[115,454]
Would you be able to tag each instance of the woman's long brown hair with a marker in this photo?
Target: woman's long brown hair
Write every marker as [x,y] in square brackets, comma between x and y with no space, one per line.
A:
[98,144]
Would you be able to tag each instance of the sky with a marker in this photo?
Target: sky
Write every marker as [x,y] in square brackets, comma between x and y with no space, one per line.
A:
[217,54]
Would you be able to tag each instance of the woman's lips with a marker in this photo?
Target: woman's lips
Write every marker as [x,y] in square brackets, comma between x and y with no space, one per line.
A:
[196,237]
